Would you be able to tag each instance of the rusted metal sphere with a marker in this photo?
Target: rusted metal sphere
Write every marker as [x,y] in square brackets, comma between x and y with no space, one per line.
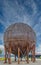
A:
[19,35]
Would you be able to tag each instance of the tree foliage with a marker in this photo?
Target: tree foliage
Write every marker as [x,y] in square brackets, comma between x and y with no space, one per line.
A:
[0,51]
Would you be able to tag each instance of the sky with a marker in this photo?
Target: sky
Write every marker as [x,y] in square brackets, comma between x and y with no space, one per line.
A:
[25,11]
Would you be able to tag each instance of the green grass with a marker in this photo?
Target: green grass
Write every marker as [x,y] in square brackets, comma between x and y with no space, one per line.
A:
[40,57]
[2,59]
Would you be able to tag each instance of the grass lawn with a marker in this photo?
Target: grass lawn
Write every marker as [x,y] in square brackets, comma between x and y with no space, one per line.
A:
[2,58]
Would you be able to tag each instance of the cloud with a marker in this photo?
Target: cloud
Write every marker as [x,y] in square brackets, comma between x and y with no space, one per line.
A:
[25,11]
[1,47]
[1,38]
[37,29]
[40,19]
[17,13]
[38,49]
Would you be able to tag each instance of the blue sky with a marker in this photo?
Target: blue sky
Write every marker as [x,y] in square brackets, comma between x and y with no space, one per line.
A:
[26,11]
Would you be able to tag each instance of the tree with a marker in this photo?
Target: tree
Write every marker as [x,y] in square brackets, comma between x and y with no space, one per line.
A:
[0,51]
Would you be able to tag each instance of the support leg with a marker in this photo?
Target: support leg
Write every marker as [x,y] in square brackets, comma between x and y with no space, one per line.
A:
[27,55]
[18,55]
[15,57]
[5,54]
[33,53]
[9,56]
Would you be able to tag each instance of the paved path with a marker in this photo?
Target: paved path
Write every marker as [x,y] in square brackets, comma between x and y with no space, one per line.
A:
[38,62]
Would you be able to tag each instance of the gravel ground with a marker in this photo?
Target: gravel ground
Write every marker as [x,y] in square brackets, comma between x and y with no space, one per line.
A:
[38,62]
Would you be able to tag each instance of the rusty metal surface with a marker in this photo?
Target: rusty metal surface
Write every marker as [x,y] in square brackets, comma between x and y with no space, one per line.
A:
[19,34]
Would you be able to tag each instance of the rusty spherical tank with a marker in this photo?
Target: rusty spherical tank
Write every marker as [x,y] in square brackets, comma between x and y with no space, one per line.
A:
[19,35]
